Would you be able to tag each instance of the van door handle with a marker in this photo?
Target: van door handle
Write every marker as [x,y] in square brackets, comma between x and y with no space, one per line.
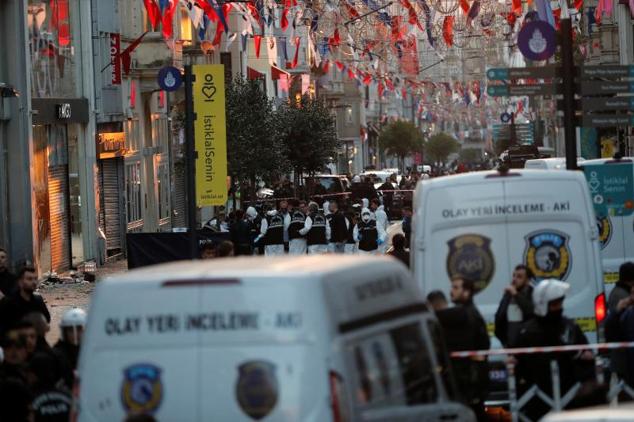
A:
[449,417]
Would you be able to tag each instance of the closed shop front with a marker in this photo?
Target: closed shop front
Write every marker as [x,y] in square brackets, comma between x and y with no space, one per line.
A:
[111,149]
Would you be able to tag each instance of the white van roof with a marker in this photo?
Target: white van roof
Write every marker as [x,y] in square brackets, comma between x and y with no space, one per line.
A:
[479,176]
[379,284]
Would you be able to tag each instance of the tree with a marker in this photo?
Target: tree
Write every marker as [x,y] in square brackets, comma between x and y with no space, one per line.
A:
[470,155]
[440,146]
[307,131]
[253,146]
[400,139]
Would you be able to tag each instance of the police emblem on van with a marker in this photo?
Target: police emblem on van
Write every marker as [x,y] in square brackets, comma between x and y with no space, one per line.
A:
[547,254]
[142,388]
[257,390]
[470,256]
[604,225]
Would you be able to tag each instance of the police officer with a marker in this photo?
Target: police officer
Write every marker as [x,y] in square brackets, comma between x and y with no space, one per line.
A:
[369,235]
[272,231]
[67,348]
[295,222]
[316,230]
[339,227]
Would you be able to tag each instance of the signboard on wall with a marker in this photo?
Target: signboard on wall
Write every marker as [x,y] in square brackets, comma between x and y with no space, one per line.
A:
[210,134]
[115,59]
[111,145]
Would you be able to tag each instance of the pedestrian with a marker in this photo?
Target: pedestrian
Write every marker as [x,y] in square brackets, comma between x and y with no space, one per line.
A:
[7,279]
[15,395]
[23,301]
[208,250]
[272,233]
[296,222]
[516,306]
[240,233]
[67,348]
[550,327]
[316,230]
[387,192]
[437,300]
[471,373]
[368,233]
[339,227]
[622,289]
[256,221]
[398,249]
[406,226]
[381,219]
[619,326]
[285,213]
[225,249]
[41,326]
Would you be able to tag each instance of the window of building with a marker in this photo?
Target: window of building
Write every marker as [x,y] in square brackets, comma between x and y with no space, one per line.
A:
[132,135]
[163,181]
[133,191]
[160,133]
[186,27]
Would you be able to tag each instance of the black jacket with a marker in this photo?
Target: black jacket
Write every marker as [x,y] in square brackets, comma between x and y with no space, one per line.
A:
[13,308]
[506,331]
[240,232]
[8,283]
[338,228]
[402,255]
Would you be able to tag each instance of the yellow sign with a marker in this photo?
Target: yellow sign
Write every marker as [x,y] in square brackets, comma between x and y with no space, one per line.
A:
[210,133]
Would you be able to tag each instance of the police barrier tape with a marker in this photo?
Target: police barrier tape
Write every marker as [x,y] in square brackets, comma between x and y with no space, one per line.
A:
[559,399]
[546,349]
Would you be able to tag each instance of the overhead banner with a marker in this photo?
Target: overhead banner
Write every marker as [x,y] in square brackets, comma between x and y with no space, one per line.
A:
[211,135]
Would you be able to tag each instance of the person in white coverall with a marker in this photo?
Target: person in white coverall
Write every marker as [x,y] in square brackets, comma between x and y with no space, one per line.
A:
[368,233]
[381,220]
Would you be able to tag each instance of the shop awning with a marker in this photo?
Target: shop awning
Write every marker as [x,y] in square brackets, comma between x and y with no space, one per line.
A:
[276,73]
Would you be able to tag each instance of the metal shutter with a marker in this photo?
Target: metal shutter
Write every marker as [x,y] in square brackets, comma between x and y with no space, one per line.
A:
[59,218]
[111,206]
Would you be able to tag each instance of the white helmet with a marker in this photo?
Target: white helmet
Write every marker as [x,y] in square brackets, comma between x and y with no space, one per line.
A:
[75,317]
[251,213]
[356,179]
[547,291]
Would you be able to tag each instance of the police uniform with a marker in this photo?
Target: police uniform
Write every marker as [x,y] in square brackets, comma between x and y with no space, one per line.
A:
[297,242]
[273,232]
[367,234]
[339,226]
[317,233]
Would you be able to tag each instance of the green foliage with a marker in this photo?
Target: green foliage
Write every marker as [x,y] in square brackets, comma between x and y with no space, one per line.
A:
[253,143]
[440,146]
[401,138]
[307,131]
[470,155]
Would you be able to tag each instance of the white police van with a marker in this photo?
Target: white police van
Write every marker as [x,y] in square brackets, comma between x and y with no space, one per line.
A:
[323,338]
[481,225]
[616,233]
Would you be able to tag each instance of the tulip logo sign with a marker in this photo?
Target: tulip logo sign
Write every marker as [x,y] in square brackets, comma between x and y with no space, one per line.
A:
[211,135]
[536,40]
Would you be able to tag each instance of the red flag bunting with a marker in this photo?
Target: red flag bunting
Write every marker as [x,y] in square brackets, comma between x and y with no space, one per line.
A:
[209,11]
[297,42]
[351,10]
[464,5]
[257,39]
[339,65]
[381,88]
[153,13]
[447,30]
[351,73]
[325,66]
[284,23]
[517,7]
[579,4]
[218,36]
[367,79]
[255,13]
[413,16]
[168,19]
[389,84]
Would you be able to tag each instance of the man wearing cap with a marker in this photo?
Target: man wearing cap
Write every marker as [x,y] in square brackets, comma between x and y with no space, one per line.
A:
[550,327]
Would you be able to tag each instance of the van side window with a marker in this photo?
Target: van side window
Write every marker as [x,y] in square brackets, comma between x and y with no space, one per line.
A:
[442,359]
[392,368]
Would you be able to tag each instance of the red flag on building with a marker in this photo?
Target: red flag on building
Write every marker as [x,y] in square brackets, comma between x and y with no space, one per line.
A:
[168,19]
[447,30]
[409,60]
[153,13]
[297,43]
[257,39]
[125,54]
[464,5]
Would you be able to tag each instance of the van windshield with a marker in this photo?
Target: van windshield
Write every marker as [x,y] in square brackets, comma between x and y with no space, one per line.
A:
[392,368]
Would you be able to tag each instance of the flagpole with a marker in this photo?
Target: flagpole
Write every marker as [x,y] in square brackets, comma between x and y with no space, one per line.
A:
[190,161]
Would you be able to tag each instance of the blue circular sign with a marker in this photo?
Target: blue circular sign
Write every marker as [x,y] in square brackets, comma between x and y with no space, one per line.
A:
[169,78]
[537,40]
[505,117]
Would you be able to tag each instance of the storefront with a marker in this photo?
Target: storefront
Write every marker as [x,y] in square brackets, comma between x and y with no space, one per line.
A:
[57,125]
[110,163]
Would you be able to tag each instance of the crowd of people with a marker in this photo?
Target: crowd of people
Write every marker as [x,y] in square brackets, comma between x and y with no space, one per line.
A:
[531,314]
[36,378]
[298,227]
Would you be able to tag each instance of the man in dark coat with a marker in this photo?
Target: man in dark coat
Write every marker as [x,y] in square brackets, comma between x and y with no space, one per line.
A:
[7,278]
[23,301]
[516,306]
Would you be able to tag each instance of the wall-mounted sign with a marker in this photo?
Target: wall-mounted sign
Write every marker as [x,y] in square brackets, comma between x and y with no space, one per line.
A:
[111,145]
[64,111]
[59,110]
[169,78]
[115,59]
